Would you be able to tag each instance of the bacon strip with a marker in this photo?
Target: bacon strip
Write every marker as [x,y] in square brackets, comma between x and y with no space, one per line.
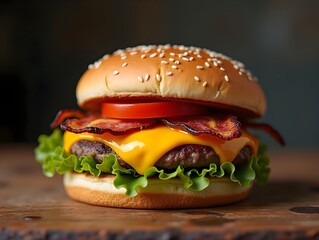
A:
[223,127]
[267,129]
[65,114]
[97,124]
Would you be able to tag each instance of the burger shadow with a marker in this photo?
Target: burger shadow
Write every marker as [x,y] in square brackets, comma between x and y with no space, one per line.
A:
[282,193]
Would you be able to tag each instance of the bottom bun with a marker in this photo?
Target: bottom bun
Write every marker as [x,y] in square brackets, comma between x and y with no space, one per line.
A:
[159,194]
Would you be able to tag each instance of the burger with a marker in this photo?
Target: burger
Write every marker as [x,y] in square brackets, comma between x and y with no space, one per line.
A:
[160,127]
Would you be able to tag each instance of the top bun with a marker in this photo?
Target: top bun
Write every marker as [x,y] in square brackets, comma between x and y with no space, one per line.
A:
[171,73]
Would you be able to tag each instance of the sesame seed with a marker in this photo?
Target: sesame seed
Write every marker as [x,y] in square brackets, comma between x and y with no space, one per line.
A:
[124,64]
[90,66]
[236,66]
[153,55]
[140,79]
[222,69]
[106,56]
[171,59]
[219,62]
[174,66]
[199,67]
[172,54]
[143,56]
[207,64]
[164,62]
[217,94]
[147,50]
[215,64]
[116,72]
[185,59]
[117,52]
[169,73]
[147,76]
[241,65]
[210,59]
[133,53]
[197,78]
[177,62]
[226,78]
[97,64]
[240,73]
[158,77]
[123,57]
[199,56]
[162,55]
[191,59]
[205,84]
[185,54]
[250,76]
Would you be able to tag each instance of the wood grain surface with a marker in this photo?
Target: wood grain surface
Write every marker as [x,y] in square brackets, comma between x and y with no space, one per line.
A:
[35,207]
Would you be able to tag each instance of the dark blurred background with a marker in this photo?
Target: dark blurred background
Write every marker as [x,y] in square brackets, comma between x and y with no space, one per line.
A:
[45,46]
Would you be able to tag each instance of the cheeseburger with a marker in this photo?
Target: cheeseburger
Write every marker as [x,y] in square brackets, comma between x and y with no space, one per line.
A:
[160,127]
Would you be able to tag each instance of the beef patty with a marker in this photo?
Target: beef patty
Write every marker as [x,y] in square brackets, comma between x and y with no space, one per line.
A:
[188,156]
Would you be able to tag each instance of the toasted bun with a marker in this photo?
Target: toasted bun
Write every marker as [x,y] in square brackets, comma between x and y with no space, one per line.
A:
[159,194]
[171,73]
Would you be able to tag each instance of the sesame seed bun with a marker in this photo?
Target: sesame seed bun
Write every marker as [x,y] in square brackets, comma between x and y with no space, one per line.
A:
[173,73]
[157,195]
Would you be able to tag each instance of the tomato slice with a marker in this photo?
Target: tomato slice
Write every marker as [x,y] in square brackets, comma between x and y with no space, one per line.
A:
[151,110]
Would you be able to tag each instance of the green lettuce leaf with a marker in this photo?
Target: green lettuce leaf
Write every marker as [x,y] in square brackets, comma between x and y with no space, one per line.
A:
[54,159]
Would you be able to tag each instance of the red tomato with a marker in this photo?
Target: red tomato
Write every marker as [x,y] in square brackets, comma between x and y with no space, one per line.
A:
[151,110]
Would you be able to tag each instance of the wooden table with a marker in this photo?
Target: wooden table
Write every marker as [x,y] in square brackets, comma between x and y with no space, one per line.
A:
[35,207]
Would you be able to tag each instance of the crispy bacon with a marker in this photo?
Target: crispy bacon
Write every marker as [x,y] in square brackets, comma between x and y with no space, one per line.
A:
[223,127]
[220,126]
[65,114]
[97,124]
[268,129]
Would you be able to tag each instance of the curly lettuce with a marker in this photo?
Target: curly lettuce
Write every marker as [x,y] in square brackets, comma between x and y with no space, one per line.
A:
[54,159]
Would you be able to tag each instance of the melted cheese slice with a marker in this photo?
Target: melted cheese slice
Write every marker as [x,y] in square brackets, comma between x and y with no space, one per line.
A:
[142,149]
